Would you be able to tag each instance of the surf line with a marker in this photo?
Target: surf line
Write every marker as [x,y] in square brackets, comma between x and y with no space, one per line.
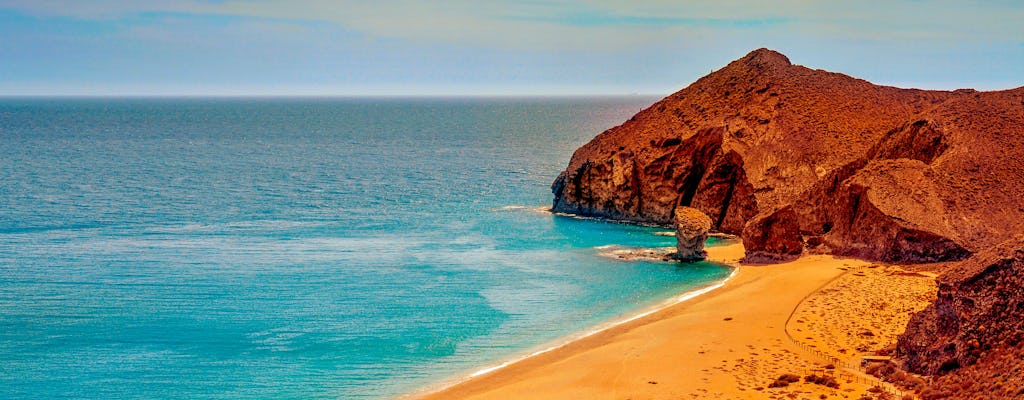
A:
[671,302]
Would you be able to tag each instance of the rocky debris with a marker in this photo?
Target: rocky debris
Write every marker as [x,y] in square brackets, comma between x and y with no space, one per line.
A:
[998,374]
[692,227]
[971,339]
[638,254]
[980,307]
[772,237]
[876,172]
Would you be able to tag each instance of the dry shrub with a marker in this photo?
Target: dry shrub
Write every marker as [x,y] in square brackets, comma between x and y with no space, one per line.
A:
[784,380]
[890,372]
[822,380]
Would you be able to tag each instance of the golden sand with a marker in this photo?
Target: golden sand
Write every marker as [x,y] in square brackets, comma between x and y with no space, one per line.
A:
[728,344]
[862,311]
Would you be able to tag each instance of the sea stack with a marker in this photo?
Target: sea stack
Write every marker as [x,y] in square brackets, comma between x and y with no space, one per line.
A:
[692,228]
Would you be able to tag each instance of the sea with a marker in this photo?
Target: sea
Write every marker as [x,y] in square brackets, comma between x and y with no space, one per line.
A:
[314,248]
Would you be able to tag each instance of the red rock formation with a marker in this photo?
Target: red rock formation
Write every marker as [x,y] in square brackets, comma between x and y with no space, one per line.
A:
[892,210]
[978,316]
[692,228]
[998,374]
[772,237]
[870,171]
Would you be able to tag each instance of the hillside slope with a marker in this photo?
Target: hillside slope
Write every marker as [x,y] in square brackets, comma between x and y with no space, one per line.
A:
[863,170]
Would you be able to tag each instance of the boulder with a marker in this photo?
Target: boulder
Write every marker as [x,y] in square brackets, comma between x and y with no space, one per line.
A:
[692,227]
[772,237]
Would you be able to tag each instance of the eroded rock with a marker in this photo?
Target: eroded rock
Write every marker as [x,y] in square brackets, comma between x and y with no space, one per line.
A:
[891,210]
[875,172]
[979,310]
[692,228]
[772,237]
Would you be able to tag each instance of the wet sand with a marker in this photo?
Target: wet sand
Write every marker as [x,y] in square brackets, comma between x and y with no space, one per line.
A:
[727,344]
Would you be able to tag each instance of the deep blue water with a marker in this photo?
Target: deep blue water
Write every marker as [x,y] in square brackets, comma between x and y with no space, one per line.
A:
[297,248]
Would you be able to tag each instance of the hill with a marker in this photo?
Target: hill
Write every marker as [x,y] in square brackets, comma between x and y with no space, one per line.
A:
[870,171]
[798,160]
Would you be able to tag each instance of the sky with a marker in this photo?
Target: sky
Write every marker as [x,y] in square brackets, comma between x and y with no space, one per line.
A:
[464,47]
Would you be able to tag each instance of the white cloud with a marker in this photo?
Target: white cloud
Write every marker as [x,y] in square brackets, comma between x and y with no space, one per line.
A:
[594,25]
[104,9]
[462,22]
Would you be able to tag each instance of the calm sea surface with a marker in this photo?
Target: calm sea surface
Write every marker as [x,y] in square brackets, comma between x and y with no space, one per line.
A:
[298,248]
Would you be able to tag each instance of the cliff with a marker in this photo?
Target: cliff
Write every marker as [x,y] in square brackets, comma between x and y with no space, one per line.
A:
[790,157]
[972,336]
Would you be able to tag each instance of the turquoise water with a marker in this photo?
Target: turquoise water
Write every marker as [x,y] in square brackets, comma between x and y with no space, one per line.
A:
[297,248]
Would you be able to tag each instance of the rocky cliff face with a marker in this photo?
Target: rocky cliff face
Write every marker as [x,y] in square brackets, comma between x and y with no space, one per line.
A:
[869,171]
[972,336]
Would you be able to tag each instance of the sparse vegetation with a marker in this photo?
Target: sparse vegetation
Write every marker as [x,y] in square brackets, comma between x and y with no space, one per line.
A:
[998,374]
[823,380]
[891,373]
[784,380]
[877,393]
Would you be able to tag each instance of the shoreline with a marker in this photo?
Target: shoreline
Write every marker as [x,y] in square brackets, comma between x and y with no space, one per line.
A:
[728,343]
[557,344]
[726,255]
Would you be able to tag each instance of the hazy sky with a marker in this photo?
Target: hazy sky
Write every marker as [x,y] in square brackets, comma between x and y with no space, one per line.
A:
[381,47]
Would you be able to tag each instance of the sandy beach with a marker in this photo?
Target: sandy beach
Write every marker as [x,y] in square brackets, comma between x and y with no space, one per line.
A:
[730,343]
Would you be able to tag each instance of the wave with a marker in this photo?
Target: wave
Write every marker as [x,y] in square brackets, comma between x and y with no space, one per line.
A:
[265,224]
[609,220]
[534,209]
[685,296]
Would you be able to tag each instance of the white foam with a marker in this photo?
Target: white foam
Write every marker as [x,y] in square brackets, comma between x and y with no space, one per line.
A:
[601,219]
[534,209]
[600,328]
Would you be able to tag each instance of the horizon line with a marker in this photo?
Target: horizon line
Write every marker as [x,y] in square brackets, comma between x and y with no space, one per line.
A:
[324,96]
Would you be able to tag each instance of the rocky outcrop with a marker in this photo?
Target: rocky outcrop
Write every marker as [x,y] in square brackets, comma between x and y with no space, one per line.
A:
[619,187]
[692,227]
[870,171]
[772,237]
[998,374]
[891,210]
[638,253]
[979,314]
[795,159]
